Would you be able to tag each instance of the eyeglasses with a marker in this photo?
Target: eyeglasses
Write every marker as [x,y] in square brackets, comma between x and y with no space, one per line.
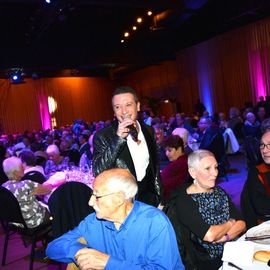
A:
[101,196]
[262,146]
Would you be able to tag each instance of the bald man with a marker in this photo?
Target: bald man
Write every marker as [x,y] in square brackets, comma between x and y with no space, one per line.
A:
[122,233]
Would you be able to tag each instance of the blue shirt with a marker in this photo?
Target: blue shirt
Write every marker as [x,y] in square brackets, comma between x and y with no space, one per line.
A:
[146,240]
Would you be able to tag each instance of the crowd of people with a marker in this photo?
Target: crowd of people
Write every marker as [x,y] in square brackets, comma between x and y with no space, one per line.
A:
[140,161]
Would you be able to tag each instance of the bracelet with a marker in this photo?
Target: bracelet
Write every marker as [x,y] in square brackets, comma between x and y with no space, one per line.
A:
[227,237]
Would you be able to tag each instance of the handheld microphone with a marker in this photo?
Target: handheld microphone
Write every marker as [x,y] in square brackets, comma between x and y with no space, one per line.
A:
[132,130]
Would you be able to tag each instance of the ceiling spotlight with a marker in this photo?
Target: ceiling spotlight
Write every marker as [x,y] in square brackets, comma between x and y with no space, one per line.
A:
[134,28]
[149,13]
[122,41]
[126,34]
[139,20]
[48,1]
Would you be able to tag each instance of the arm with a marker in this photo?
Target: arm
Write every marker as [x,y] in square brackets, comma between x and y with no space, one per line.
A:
[42,190]
[216,232]
[64,248]
[237,228]
[106,150]
[190,216]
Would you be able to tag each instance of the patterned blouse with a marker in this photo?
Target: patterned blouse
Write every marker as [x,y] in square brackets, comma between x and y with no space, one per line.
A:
[33,212]
[214,209]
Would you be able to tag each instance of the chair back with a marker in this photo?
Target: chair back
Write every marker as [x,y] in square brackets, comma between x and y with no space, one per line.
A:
[252,151]
[68,206]
[10,210]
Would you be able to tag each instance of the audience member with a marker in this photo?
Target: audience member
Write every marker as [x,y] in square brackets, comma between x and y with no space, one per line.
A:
[122,233]
[147,119]
[131,145]
[184,135]
[176,172]
[163,159]
[56,162]
[199,107]
[257,187]
[251,126]
[33,212]
[207,216]
[32,171]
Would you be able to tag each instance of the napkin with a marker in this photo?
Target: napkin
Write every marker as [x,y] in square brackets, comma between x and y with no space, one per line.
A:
[239,253]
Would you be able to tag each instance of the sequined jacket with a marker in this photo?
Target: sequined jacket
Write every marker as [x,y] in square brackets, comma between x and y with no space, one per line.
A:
[111,151]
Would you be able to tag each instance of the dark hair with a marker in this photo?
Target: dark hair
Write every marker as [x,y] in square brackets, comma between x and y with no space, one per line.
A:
[125,90]
[174,141]
[85,136]
[28,157]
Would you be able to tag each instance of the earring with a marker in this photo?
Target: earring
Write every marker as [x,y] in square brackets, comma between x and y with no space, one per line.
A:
[195,182]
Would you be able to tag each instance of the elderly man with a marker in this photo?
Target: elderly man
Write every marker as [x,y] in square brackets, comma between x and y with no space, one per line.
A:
[121,234]
[129,144]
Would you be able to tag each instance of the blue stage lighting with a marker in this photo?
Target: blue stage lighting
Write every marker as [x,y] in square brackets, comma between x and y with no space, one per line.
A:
[14,77]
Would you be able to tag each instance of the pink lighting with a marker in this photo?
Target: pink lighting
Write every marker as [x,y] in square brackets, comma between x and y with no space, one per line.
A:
[44,111]
[257,74]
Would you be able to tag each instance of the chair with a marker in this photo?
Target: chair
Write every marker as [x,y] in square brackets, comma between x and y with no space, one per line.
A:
[68,206]
[214,142]
[10,213]
[252,149]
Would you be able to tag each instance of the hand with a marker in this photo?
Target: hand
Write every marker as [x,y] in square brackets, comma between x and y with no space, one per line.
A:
[123,129]
[88,259]
[42,190]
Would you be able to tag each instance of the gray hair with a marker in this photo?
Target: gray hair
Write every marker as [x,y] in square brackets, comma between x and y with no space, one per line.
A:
[195,157]
[52,149]
[121,180]
[11,165]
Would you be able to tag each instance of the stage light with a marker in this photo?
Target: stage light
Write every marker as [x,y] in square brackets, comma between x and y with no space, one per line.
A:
[16,78]
[134,28]
[139,20]
[48,1]
[122,41]
[126,34]
[149,13]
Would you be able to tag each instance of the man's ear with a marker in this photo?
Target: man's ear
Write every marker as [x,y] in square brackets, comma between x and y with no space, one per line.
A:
[121,198]
[138,106]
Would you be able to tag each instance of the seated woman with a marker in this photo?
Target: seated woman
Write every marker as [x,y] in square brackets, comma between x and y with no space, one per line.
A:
[207,216]
[255,197]
[33,212]
[176,172]
[56,162]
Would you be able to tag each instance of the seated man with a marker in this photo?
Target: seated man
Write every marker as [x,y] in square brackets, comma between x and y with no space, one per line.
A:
[121,234]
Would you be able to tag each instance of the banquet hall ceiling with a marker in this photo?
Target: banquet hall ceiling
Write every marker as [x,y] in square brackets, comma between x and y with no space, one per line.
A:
[83,37]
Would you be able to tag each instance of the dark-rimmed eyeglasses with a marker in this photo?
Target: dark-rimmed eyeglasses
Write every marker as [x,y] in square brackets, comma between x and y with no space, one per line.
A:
[262,146]
[97,197]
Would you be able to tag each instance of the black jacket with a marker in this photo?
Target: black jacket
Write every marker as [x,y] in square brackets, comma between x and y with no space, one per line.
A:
[111,151]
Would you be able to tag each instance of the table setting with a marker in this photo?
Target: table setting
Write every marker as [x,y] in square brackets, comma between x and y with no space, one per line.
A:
[250,252]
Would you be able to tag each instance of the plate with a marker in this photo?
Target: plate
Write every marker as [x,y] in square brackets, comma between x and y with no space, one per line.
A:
[255,232]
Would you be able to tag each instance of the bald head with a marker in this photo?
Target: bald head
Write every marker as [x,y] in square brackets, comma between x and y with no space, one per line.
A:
[118,180]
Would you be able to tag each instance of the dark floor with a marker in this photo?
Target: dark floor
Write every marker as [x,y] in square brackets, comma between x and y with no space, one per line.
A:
[17,257]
